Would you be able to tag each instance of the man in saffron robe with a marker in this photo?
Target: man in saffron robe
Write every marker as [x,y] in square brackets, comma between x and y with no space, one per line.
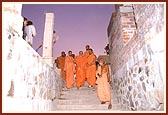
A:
[60,61]
[70,70]
[103,83]
[86,54]
[80,64]
[91,69]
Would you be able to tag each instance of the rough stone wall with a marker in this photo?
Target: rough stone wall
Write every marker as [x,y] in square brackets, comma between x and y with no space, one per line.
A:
[138,65]
[28,82]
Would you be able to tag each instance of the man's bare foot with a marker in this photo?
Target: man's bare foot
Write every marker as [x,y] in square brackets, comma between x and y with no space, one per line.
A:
[103,102]
[110,106]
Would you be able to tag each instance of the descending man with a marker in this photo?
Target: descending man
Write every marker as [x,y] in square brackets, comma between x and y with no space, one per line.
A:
[60,61]
[30,32]
[103,83]
[70,70]
[91,69]
[80,64]
[23,28]
[86,54]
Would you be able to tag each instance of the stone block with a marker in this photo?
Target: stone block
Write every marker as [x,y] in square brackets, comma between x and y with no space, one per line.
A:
[141,78]
[130,88]
[124,9]
[144,86]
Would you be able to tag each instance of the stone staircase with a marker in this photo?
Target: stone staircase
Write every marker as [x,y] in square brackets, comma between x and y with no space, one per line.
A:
[84,98]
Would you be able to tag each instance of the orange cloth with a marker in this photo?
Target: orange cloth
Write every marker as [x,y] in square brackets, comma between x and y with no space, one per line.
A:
[60,65]
[70,70]
[80,77]
[103,86]
[91,70]
[86,54]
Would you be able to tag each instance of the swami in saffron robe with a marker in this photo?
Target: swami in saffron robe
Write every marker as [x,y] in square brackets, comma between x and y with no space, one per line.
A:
[103,86]
[70,70]
[80,77]
[91,70]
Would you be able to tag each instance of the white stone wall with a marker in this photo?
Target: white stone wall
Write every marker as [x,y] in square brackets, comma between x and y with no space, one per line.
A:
[29,84]
[139,67]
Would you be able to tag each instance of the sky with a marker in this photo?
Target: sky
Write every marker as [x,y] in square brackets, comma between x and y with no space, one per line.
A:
[76,25]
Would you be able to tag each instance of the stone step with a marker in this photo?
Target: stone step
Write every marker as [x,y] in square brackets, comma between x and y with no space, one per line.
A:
[79,90]
[71,93]
[78,93]
[84,98]
[89,92]
[85,107]
[78,97]
[85,102]
[82,93]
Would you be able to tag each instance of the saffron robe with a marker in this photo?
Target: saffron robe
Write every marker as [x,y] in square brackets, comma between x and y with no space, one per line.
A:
[80,77]
[91,70]
[86,55]
[60,65]
[70,70]
[103,86]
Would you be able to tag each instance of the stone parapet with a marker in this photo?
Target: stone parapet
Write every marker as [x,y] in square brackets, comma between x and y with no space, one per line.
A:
[28,82]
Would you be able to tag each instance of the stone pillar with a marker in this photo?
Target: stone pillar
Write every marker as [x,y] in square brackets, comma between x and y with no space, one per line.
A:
[48,39]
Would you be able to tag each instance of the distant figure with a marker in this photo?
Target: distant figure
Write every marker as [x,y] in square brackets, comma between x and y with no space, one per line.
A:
[91,69]
[103,83]
[55,37]
[86,55]
[107,49]
[30,32]
[69,68]
[80,64]
[23,28]
[60,61]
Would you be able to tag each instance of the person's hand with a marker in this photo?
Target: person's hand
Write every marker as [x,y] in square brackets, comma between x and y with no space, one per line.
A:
[98,74]
[109,81]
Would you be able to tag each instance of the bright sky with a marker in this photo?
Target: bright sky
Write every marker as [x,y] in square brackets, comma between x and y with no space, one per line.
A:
[76,25]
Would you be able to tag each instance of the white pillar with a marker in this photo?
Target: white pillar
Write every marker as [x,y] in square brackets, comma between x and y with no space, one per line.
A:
[48,39]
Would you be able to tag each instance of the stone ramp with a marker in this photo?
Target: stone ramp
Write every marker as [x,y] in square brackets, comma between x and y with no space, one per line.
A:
[84,98]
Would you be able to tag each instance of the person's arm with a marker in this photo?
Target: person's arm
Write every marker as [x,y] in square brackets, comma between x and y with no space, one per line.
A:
[33,31]
[65,64]
[99,72]
[108,73]
[93,62]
